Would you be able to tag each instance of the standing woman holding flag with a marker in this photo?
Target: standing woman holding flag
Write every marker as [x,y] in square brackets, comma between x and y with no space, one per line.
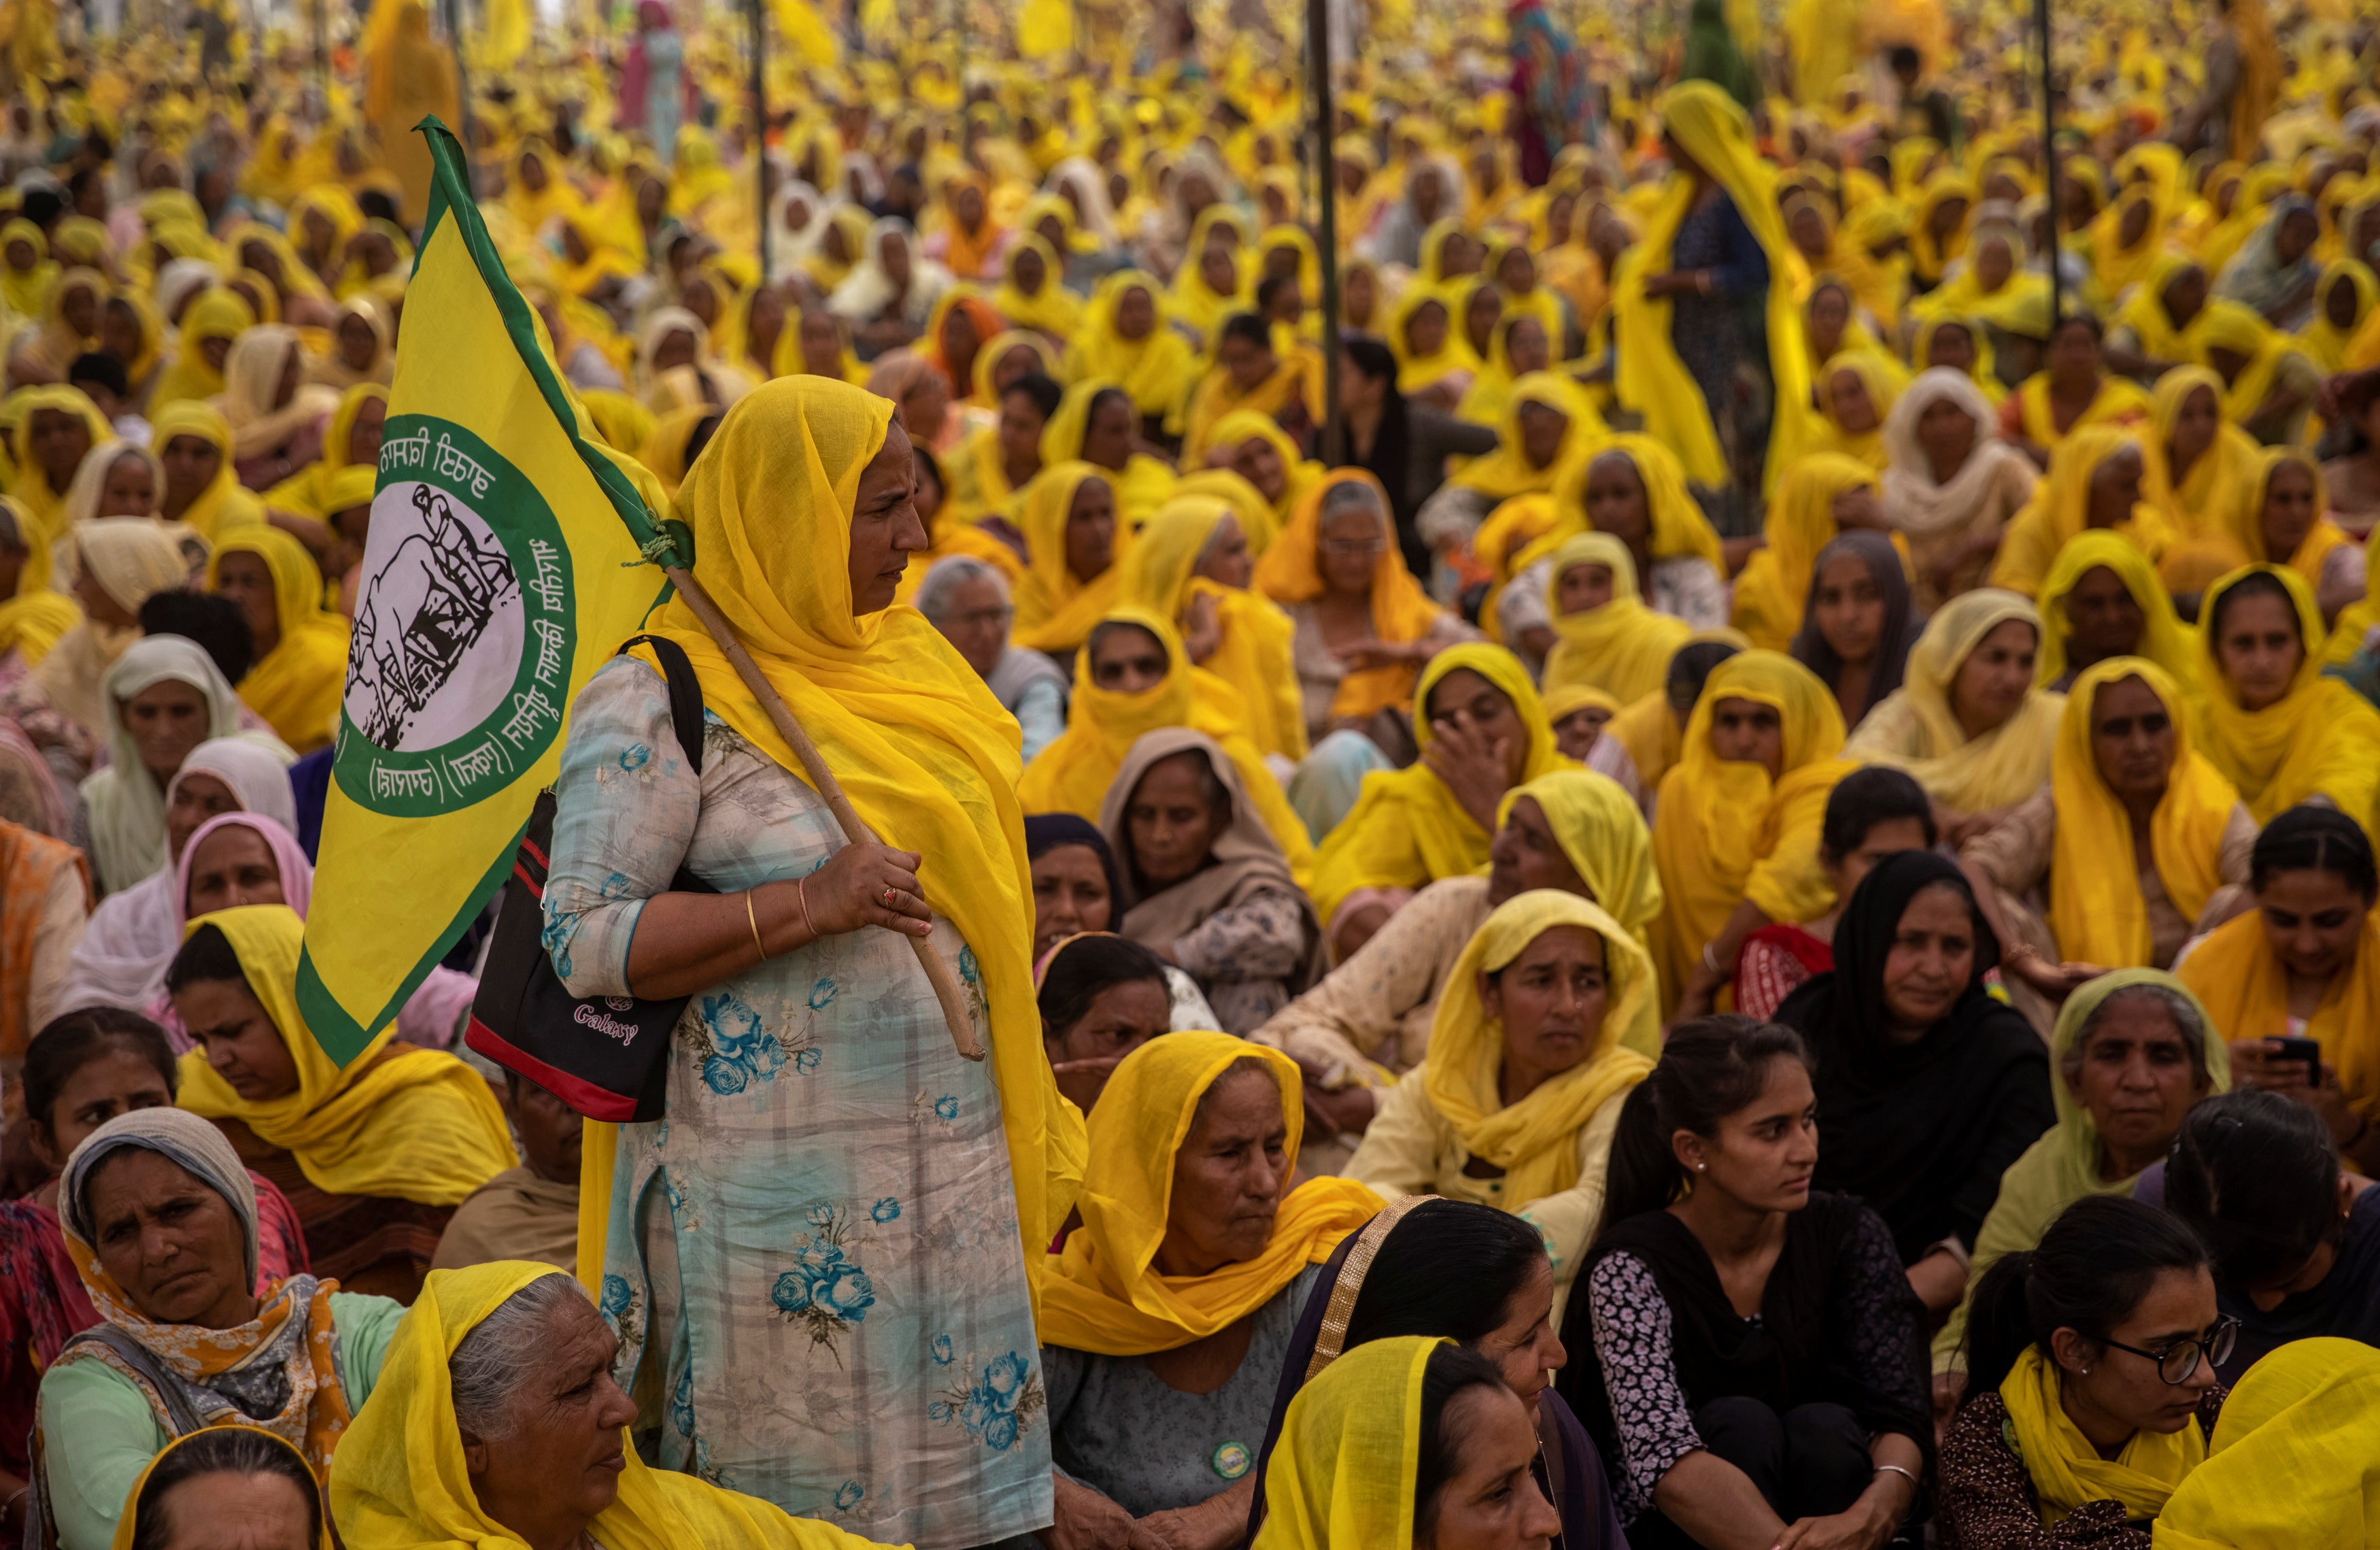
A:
[828,1250]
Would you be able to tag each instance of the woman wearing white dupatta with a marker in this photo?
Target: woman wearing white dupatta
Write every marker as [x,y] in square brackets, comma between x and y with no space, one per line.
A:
[1951,486]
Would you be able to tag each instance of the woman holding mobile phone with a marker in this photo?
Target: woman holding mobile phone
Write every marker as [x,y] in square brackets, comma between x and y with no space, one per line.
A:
[2296,982]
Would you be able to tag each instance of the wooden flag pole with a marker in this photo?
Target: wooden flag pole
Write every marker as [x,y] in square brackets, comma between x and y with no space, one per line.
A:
[855,827]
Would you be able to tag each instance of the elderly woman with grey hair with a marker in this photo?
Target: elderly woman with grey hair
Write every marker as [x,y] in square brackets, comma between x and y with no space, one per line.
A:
[497,1420]
[2133,1051]
[968,600]
[160,1219]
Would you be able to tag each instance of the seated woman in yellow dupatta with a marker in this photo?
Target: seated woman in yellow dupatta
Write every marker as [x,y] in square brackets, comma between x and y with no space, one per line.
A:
[999,459]
[376,1156]
[1516,346]
[1259,451]
[1133,677]
[1363,627]
[2278,729]
[1095,424]
[427,1462]
[2153,331]
[1165,1318]
[2291,1462]
[1435,363]
[194,1334]
[208,328]
[2136,843]
[1608,640]
[1072,539]
[301,651]
[2282,522]
[2132,1052]
[1547,422]
[2094,1392]
[1819,495]
[1124,339]
[2209,465]
[1482,731]
[56,430]
[1856,390]
[203,489]
[1250,374]
[1550,1016]
[2105,476]
[1029,293]
[2071,393]
[2102,599]
[2304,963]
[1737,828]
[1191,565]
[2269,383]
[353,441]
[1968,721]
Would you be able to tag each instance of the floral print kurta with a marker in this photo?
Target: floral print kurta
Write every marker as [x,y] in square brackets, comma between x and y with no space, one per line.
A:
[813,1262]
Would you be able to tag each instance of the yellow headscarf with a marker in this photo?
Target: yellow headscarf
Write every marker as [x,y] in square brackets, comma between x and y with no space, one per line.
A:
[299,684]
[1602,831]
[2324,341]
[1157,370]
[1536,1140]
[2060,506]
[1053,308]
[1141,485]
[45,509]
[1417,372]
[2152,326]
[2114,268]
[2163,639]
[1623,646]
[1724,832]
[127,1523]
[1880,378]
[1975,775]
[304,492]
[2117,401]
[2228,325]
[1706,122]
[1219,397]
[412,1124]
[1290,571]
[2248,516]
[2096,906]
[1299,475]
[216,314]
[2291,1463]
[1055,610]
[26,291]
[1254,655]
[1104,1293]
[926,754]
[1506,471]
[1406,828]
[400,1480]
[1679,527]
[2199,504]
[2067,1470]
[2320,736]
[1775,586]
[223,506]
[1343,1473]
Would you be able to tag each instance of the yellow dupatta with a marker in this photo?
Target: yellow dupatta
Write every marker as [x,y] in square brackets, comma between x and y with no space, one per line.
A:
[2060,507]
[1343,1475]
[1679,527]
[1253,652]
[2096,906]
[1054,609]
[1141,485]
[1881,378]
[2143,312]
[2228,325]
[297,686]
[2067,1470]
[2320,736]
[1916,730]
[216,314]
[2325,342]
[1622,647]
[926,754]
[1602,831]
[303,493]
[1775,586]
[400,1481]
[1158,369]
[1073,773]
[1104,1293]
[2248,516]
[222,507]
[1536,1139]
[1290,571]
[2163,639]
[1299,475]
[2117,401]
[1507,472]
[1297,378]
[2291,1463]
[1652,380]
[45,509]
[1417,371]
[1724,830]
[2199,504]
[416,1124]
[1053,309]
[1406,828]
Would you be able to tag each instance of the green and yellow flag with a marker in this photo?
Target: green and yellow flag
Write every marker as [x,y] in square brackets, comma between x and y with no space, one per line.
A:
[506,560]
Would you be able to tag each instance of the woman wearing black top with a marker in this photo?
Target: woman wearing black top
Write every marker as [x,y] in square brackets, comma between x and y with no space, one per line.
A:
[1928,1087]
[1745,1349]
[1405,444]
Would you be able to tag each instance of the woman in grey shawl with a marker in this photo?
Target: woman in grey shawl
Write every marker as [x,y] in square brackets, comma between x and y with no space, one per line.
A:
[968,600]
[2274,271]
[159,1220]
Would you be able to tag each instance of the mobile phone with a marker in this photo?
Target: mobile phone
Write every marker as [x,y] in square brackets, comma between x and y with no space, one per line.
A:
[2307,1050]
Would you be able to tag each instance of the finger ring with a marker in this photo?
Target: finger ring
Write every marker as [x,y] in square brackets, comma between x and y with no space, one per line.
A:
[890,895]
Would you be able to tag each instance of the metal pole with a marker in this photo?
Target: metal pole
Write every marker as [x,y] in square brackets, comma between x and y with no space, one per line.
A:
[452,10]
[1318,49]
[2050,160]
[760,129]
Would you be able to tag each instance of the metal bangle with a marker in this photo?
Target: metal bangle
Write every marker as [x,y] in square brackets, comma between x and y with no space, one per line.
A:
[1895,1468]
[754,922]
[802,892]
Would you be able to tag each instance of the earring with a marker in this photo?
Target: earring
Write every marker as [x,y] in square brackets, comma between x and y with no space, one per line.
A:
[1699,1166]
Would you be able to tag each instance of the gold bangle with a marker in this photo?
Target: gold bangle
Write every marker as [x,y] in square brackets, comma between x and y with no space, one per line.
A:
[802,894]
[754,922]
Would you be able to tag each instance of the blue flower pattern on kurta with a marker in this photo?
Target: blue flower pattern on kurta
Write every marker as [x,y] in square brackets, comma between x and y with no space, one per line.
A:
[742,1051]
[824,1291]
[997,1406]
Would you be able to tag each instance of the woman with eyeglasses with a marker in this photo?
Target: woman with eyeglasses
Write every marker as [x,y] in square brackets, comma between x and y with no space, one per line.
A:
[2094,1392]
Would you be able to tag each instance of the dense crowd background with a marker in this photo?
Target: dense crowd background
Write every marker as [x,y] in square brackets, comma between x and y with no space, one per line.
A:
[1688,834]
